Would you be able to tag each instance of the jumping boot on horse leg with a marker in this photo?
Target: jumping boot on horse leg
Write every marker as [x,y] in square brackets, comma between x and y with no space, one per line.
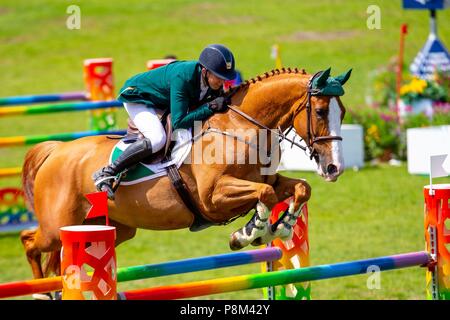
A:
[104,178]
[283,228]
[255,229]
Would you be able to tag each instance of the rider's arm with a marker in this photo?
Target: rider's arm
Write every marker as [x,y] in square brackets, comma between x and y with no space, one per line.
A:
[179,106]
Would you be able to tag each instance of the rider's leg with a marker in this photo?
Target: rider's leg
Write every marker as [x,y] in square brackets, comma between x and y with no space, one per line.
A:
[147,121]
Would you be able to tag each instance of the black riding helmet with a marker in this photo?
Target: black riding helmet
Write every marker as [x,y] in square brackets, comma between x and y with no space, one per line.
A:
[219,60]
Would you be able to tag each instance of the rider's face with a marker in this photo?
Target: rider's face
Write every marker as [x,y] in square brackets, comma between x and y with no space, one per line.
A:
[214,82]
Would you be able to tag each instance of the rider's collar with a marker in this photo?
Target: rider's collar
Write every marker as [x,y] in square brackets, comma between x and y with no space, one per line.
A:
[203,86]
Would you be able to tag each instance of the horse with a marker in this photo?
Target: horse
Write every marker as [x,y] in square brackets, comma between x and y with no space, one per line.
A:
[56,175]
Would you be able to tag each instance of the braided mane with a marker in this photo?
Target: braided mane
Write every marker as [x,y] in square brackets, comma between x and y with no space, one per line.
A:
[266,75]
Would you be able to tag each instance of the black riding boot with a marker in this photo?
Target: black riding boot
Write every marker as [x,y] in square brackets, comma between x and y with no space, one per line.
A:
[105,177]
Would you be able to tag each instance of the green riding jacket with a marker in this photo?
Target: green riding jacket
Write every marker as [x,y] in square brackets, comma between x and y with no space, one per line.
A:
[175,86]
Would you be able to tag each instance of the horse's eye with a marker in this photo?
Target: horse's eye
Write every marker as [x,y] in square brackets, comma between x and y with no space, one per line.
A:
[321,113]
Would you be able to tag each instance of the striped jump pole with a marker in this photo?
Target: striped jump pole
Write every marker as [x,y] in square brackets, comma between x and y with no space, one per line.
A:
[198,264]
[27,140]
[261,280]
[29,99]
[21,288]
[63,107]
[10,172]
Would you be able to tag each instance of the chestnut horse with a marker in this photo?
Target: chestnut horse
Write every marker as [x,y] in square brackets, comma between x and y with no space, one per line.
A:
[57,175]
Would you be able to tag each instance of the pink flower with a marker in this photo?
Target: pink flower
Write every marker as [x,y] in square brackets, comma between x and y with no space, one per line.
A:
[386,117]
[443,107]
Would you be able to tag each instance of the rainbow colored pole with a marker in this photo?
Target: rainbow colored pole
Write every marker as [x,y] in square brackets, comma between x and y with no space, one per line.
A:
[51,108]
[26,140]
[68,96]
[261,280]
[198,264]
[20,288]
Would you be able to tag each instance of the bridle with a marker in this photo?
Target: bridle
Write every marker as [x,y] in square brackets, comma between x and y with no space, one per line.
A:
[311,138]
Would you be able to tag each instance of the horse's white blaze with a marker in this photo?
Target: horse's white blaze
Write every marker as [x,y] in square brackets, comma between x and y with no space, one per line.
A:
[334,126]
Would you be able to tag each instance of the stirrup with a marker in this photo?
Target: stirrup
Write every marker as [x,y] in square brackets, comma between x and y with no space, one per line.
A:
[108,189]
[105,185]
[105,180]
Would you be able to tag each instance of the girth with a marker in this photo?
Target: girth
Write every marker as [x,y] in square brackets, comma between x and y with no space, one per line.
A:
[183,191]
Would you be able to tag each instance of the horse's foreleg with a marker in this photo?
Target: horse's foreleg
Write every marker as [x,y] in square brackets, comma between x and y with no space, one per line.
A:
[283,227]
[286,187]
[232,193]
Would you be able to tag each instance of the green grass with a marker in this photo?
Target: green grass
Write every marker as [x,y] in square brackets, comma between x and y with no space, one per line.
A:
[377,211]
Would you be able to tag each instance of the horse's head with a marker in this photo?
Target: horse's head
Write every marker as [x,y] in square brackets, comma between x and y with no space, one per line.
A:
[318,122]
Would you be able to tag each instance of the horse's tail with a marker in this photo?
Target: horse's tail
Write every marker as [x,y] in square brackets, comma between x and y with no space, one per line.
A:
[34,159]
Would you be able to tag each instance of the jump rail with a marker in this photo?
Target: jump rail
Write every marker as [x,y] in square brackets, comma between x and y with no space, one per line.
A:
[63,107]
[26,140]
[20,288]
[67,96]
[261,280]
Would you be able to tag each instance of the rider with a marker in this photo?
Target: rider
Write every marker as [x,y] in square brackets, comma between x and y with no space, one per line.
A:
[191,89]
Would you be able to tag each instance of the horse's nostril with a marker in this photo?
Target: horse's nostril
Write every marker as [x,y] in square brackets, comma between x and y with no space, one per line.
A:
[331,169]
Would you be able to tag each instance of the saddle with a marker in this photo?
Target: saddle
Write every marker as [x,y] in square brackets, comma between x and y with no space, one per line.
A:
[163,155]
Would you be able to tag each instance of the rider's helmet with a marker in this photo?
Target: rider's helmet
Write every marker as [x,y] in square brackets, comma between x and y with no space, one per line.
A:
[219,60]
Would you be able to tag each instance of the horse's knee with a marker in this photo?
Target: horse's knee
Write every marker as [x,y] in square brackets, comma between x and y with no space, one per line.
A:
[303,191]
[302,194]
[268,195]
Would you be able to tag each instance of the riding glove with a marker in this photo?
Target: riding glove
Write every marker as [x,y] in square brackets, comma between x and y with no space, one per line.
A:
[219,104]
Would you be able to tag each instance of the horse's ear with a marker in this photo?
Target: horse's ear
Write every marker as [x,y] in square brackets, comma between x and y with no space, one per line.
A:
[344,77]
[322,79]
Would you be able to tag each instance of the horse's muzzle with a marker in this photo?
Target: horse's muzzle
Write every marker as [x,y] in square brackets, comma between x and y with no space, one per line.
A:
[332,172]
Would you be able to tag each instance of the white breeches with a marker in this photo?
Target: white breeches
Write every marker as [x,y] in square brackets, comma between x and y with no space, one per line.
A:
[147,121]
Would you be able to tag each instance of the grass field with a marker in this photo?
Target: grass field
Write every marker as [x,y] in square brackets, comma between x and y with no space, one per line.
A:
[374,212]
[377,211]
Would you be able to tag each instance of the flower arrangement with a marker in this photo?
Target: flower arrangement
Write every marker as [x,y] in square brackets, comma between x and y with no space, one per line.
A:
[381,132]
[435,90]
[383,91]
[384,132]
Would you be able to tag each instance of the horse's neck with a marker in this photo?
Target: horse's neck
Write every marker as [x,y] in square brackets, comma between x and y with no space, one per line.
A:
[270,101]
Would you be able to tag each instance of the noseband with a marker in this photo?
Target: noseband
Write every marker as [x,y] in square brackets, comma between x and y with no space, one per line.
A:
[311,138]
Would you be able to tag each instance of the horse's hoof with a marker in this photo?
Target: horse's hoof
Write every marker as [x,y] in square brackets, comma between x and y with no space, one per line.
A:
[42,296]
[235,243]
